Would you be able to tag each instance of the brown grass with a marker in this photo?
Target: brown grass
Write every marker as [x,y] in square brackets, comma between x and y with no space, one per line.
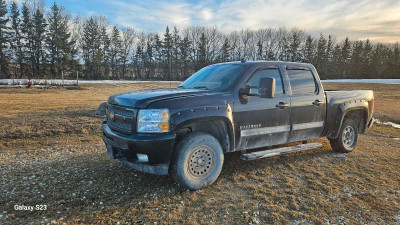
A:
[79,183]
[24,100]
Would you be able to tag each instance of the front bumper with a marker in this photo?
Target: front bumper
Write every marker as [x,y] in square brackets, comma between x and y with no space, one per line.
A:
[157,147]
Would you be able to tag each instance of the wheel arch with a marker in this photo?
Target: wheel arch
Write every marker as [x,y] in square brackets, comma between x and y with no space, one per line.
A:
[359,114]
[219,127]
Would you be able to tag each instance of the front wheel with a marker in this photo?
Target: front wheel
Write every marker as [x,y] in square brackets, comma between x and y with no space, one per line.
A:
[197,161]
[347,138]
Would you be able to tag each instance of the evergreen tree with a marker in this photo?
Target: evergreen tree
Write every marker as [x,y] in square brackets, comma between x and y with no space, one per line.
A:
[356,59]
[39,29]
[284,50]
[138,62]
[309,50]
[27,37]
[260,50]
[167,52]
[16,39]
[329,57]
[329,48]
[395,62]
[203,61]
[185,56]
[320,58]
[148,60]
[366,68]
[58,42]
[294,47]
[226,51]
[337,64]
[378,61]
[115,52]
[175,53]
[103,55]
[4,40]
[158,51]
[346,57]
[90,47]
[270,54]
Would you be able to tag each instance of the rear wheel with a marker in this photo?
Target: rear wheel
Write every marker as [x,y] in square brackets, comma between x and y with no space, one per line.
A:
[347,138]
[197,161]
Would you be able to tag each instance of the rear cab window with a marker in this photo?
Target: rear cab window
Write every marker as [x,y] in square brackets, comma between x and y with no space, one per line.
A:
[302,81]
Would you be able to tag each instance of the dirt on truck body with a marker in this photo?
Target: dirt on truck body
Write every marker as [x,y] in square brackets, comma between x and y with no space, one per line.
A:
[237,106]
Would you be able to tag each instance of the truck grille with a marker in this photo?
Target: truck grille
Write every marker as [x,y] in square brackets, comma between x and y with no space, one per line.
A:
[123,119]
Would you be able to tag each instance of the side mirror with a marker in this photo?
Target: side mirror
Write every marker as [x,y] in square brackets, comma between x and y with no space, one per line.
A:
[266,88]
[245,91]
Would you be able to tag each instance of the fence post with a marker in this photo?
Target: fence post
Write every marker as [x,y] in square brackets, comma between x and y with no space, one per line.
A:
[77,78]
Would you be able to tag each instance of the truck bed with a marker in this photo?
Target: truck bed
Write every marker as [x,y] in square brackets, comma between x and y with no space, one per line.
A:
[339,97]
[337,101]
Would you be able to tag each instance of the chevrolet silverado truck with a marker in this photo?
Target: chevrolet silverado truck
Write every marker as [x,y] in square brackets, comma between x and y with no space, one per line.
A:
[228,107]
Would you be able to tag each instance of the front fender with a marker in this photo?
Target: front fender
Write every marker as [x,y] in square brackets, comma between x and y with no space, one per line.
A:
[203,114]
[189,109]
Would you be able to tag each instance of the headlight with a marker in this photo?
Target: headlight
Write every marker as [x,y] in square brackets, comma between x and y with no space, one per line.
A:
[153,121]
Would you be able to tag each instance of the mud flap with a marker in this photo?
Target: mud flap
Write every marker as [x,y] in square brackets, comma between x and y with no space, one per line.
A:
[371,122]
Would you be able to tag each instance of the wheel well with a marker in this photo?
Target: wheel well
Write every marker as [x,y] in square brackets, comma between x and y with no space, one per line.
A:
[359,116]
[216,128]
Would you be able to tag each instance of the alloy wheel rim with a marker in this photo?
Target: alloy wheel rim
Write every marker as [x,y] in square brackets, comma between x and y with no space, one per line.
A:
[348,136]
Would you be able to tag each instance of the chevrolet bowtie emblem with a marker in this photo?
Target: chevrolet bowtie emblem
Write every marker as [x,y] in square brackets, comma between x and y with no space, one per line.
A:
[110,114]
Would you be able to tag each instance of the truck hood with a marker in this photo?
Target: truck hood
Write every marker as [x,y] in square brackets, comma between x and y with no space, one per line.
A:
[142,98]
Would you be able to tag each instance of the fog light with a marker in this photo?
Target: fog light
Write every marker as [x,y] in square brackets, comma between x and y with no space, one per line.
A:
[142,158]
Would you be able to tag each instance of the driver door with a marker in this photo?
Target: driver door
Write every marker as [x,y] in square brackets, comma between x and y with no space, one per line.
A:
[261,122]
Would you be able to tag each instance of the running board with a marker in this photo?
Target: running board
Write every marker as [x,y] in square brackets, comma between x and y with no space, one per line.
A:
[279,151]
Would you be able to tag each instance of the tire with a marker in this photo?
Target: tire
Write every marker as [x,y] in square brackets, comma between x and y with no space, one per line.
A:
[197,161]
[347,137]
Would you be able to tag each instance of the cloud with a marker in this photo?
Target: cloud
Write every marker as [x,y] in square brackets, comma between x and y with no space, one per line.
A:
[358,19]
[152,15]
[177,14]
[206,14]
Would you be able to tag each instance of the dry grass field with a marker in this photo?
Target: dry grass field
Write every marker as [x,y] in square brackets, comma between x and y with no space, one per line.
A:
[51,154]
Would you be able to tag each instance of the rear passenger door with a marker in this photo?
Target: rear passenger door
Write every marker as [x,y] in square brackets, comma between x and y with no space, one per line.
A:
[308,105]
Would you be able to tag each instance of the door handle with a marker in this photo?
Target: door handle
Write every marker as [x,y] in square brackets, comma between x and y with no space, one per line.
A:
[317,102]
[282,105]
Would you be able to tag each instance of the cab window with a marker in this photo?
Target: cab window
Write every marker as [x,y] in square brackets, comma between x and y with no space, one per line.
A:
[254,80]
[302,82]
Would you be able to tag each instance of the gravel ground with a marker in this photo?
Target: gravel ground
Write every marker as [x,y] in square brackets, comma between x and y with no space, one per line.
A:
[81,184]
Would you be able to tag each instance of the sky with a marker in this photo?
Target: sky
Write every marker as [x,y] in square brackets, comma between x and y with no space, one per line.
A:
[358,19]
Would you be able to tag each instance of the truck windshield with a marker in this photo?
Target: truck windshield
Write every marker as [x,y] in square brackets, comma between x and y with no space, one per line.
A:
[215,77]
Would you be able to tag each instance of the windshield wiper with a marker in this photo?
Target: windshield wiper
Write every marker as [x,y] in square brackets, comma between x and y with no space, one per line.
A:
[201,87]
[180,86]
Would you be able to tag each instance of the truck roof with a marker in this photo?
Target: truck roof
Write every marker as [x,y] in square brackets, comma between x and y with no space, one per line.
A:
[268,62]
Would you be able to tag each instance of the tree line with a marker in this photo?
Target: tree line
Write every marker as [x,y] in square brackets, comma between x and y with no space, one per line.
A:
[36,42]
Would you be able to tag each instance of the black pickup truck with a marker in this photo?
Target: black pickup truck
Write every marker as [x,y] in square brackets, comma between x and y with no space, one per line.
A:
[236,106]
